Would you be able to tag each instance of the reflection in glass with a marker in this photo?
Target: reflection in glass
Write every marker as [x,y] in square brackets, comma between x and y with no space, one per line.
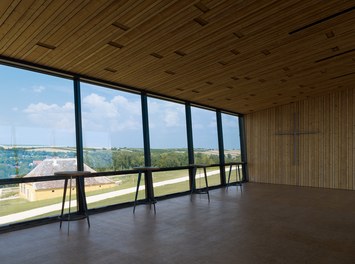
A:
[231,142]
[113,141]
[37,138]
[231,138]
[205,140]
[168,141]
[112,128]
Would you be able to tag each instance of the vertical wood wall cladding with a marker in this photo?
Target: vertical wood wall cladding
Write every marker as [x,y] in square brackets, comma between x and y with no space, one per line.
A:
[325,158]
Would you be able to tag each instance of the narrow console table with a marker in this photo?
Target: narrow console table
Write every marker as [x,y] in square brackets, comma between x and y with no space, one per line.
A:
[237,174]
[194,172]
[69,176]
[150,193]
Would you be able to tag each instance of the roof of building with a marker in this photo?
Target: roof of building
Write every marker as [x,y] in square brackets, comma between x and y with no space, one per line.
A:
[49,166]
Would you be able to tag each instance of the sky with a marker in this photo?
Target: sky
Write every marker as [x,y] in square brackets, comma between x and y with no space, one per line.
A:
[38,109]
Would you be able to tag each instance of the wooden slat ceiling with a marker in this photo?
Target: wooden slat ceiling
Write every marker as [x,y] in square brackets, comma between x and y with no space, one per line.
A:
[240,56]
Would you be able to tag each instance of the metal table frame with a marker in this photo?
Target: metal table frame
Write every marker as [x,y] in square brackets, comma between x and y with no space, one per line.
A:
[79,176]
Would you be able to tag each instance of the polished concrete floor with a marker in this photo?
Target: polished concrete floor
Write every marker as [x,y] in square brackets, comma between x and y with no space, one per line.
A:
[263,224]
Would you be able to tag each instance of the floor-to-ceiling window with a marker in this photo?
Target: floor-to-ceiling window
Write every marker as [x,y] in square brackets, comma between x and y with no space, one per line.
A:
[37,138]
[205,141]
[113,141]
[168,142]
[231,140]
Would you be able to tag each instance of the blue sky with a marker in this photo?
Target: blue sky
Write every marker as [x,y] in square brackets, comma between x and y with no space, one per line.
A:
[38,109]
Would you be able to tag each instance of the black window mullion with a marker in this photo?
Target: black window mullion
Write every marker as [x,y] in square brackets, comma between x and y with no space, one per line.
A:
[190,144]
[149,191]
[79,143]
[221,147]
[243,148]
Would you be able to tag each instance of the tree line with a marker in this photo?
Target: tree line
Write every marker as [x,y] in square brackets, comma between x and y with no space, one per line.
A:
[19,162]
[104,160]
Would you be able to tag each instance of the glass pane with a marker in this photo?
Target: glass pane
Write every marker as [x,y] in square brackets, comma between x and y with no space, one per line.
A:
[234,173]
[122,189]
[205,139]
[37,138]
[113,141]
[213,177]
[15,207]
[112,128]
[231,138]
[168,141]
[169,182]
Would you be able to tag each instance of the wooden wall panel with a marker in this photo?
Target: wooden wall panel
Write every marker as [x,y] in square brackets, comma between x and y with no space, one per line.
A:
[324,158]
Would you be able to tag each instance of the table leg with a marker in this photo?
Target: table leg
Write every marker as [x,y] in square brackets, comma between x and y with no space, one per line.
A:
[152,198]
[80,189]
[71,179]
[239,181]
[63,201]
[207,190]
[138,183]
[193,185]
[229,175]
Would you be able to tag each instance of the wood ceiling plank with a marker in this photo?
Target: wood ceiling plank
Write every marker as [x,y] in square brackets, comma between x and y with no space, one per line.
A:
[112,37]
[163,27]
[40,27]
[281,57]
[173,36]
[83,17]
[145,11]
[160,23]
[129,50]
[235,23]
[243,59]
[300,43]
[6,8]
[296,58]
[25,28]
[191,61]
[16,16]
[56,23]
[211,4]
[98,31]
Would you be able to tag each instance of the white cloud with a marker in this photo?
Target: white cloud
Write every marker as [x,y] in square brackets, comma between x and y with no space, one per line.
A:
[129,124]
[51,115]
[40,107]
[154,107]
[230,122]
[133,107]
[68,106]
[98,105]
[38,89]
[113,115]
[171,118]
[212,123]
[166,113]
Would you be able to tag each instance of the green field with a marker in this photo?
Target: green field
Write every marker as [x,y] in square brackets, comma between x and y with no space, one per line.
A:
[12,206]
